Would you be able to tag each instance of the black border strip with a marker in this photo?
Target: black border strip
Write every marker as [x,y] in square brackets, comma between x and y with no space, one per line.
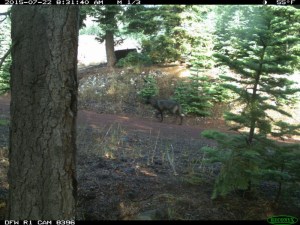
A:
[149,2]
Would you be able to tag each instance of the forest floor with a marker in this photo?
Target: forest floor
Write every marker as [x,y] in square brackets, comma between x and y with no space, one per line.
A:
[132,167]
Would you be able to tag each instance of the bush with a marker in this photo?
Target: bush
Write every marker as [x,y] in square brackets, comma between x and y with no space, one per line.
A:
[240,162]
[135,60]
[150,88]
[199,94]
[161,49]
[194,96]
[245,166]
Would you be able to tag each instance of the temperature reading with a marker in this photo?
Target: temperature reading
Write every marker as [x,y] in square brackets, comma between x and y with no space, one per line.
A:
[285,2]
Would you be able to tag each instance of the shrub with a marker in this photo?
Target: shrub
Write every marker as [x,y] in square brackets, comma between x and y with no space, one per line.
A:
[161,49]
[135,60]
[194,95]
[150,88]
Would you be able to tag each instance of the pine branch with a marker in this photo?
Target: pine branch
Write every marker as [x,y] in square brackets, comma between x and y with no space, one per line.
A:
[4,57]
[5,14]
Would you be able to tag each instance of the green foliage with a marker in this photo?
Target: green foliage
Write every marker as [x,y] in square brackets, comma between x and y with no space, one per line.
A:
[84,10]
[282,128]
[258,45]
[194,95]
[280,164]
[240,162]
[5,43]
[243,164]
[162,29]
[108,17]
[203,40]
[155,19]
[262,56]
[199,93]
[219,93]
[164,37]
[5,76]
[150,88]
[90,30]
[134,59]
[4,122]
[161,49]
[158,26]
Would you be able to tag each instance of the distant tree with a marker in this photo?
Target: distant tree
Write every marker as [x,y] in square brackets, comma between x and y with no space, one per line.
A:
[199,24]
[194,95]
[159,28]
[262,48]
[42,176]
[200,92]
[83,13]
[263,60]
[108,18]
[164,36]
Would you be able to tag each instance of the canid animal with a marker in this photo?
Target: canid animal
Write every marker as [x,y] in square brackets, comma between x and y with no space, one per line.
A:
[162,105]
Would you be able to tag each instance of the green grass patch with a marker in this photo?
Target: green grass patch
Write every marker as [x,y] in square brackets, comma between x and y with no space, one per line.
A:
[4,122]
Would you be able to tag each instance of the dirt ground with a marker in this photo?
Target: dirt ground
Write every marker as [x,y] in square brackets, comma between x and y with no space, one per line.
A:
[134,168]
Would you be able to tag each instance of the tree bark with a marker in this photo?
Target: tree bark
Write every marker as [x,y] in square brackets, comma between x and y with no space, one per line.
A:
[110,49]
[42,175]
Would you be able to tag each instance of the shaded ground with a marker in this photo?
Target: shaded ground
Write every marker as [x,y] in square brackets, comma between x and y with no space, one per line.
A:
[153,170]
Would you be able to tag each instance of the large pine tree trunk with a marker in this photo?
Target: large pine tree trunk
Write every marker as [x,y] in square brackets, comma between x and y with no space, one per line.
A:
[110,49]
[42,177]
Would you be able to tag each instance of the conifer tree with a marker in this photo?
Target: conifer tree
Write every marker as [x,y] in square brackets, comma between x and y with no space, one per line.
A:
[195,95]
[161,28]
[262,47]
[201,91]
[108,17]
